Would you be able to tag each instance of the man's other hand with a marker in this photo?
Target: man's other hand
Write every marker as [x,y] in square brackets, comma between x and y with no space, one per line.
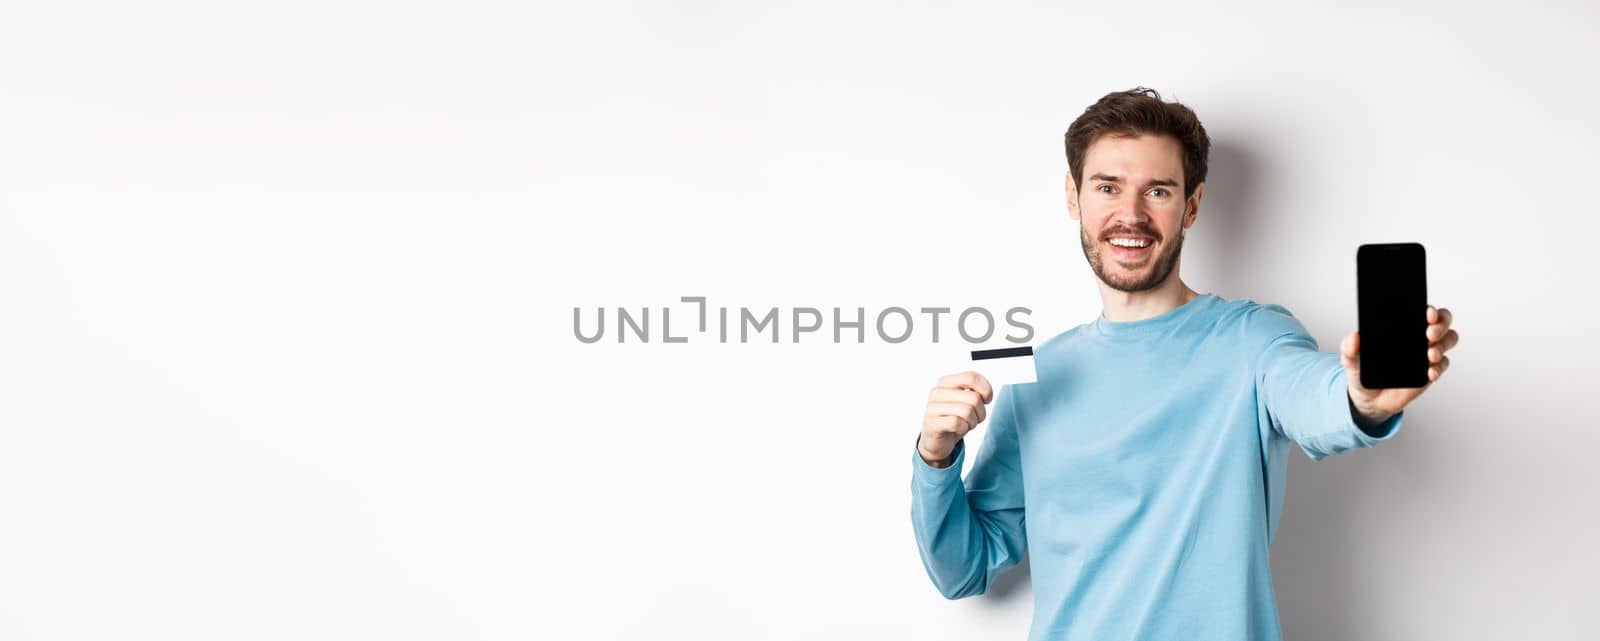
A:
[955,407]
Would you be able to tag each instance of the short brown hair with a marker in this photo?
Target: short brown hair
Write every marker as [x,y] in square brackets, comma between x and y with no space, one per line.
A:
[1137,112]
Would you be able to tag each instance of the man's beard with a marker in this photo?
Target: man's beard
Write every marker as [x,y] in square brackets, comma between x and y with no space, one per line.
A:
[1156,269]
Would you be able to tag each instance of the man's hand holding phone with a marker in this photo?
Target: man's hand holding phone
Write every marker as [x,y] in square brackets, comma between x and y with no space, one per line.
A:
[1374,406]
[956,405]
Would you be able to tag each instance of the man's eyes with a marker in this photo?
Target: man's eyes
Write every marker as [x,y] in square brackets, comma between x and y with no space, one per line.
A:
[1158,191]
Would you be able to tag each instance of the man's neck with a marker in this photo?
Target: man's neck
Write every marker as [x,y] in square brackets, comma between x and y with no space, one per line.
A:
[1123,306]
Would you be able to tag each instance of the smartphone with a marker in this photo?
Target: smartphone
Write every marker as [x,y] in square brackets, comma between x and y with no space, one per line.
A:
[1392,305]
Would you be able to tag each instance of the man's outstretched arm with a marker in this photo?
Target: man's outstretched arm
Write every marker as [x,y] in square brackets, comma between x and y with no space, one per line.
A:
[1306,392]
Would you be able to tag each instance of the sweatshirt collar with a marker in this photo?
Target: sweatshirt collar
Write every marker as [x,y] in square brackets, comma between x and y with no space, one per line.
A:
[1155,325]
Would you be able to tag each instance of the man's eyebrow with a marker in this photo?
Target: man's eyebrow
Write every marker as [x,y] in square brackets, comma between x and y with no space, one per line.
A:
[1154,182]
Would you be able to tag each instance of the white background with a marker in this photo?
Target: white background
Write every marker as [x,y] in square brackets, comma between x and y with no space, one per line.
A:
[286,346]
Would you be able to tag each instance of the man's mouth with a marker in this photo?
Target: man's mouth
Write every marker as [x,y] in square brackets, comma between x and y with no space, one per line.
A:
[1130,249]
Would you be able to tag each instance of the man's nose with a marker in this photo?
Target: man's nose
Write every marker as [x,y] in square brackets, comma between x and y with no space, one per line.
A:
[1135,213]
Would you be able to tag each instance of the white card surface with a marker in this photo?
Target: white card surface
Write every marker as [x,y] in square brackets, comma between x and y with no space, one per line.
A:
[1005,366]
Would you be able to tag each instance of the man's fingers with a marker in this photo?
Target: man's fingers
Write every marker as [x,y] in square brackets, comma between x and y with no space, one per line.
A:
[956,395]
[969,380]
[1349,349]
[1438,348]
[1439,327]
[1438,369]
[956,404]
[963,410]
[950,425]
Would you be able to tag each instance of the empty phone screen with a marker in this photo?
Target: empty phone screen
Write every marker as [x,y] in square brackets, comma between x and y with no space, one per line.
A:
[1392,288]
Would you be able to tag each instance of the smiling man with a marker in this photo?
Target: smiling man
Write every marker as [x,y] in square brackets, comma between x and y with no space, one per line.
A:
[1144,471]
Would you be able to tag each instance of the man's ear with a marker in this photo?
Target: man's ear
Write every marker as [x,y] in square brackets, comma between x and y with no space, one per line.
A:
[1193,205]
[1072,197]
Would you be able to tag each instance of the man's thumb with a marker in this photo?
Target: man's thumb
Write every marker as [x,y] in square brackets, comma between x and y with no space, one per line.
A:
[1350,350]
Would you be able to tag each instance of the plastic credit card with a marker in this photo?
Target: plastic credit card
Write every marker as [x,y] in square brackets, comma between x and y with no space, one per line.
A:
[1005,366]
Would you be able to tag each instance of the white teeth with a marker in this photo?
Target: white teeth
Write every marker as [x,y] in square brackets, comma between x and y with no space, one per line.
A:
[1129,242]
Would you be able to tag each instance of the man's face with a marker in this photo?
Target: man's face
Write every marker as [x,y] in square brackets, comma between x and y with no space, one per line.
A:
[1132,190]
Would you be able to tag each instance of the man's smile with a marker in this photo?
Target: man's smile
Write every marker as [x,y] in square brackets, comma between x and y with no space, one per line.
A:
[1127,248]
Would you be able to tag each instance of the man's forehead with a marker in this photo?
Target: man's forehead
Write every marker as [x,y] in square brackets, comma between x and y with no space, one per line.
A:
[1148,159]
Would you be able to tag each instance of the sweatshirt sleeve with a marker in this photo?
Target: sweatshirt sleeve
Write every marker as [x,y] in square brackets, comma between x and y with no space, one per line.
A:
[967,534]
[1305,391]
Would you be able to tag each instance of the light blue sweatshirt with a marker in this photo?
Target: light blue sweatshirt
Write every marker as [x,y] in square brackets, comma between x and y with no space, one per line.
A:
[1143,472]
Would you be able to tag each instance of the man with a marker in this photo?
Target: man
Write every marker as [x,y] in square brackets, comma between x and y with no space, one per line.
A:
[1144,471]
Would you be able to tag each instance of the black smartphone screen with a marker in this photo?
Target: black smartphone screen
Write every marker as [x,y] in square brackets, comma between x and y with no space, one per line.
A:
[1392,288]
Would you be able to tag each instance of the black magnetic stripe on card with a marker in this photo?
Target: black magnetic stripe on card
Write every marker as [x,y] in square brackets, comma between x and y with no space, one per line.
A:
[1004,352]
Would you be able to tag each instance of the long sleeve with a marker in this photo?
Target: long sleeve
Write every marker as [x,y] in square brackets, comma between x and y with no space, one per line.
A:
[1306,391]
[969,533]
